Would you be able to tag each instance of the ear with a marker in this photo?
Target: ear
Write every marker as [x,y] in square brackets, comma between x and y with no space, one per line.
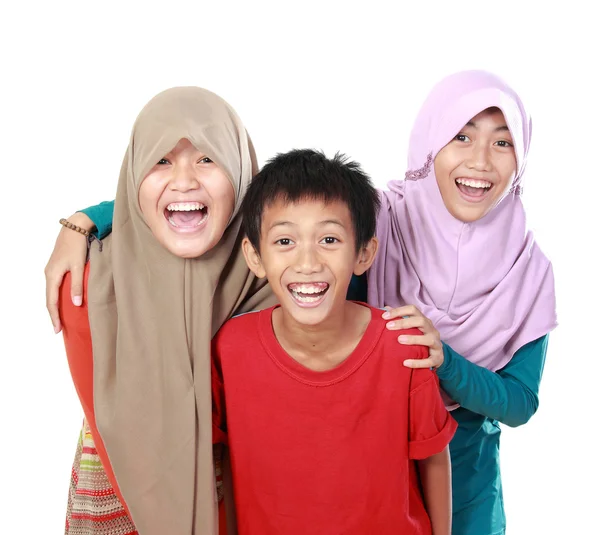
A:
[366,257]
[253,259]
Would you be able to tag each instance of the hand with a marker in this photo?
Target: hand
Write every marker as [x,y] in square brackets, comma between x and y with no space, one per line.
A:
[69,254]
[410,316]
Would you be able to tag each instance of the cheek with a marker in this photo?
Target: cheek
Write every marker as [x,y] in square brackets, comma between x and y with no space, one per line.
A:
[225,197]
[507,169]
[442,167]
[150,192]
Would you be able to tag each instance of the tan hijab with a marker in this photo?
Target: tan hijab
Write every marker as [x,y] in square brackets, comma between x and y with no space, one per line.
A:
[153,315]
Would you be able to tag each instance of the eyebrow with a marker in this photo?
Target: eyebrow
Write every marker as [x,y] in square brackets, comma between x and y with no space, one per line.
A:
[284,223]
[503,128]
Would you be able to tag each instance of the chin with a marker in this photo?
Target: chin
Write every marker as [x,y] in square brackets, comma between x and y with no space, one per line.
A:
[311,319]
[187,250]
[467,218]
[469,215]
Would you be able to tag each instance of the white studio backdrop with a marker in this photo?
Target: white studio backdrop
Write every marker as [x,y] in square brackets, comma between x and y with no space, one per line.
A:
[346,76]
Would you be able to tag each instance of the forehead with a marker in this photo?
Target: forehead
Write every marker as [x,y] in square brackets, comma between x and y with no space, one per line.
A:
[488,116]
[306,210]
[183,145]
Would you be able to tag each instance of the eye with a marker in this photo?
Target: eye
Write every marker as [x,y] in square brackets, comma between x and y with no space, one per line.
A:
[206,159]
[463,138]
[284,242]
[330,240]
[504,143]
[163,161]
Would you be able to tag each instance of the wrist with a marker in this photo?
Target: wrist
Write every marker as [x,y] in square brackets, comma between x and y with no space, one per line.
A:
[82,220]
[443,368]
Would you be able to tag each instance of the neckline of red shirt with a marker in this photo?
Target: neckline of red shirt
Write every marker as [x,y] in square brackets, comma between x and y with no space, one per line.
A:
[301,373]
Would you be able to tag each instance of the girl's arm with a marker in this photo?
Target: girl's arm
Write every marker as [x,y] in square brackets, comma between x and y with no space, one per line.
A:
[70,254]
[509,395]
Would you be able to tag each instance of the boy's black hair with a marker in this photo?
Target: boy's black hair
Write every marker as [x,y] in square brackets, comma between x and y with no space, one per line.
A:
[309,174]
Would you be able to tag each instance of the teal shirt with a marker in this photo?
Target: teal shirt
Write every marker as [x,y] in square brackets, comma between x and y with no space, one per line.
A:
[102,215]
[509,396]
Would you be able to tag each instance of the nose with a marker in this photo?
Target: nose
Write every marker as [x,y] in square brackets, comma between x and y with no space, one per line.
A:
[479,159]
[308,261]
[184,178]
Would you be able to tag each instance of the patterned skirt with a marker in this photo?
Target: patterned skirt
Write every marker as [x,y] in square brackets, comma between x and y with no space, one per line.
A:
[93,508]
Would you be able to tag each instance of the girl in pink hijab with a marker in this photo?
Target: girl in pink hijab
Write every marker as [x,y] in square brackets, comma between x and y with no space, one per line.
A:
[454,243]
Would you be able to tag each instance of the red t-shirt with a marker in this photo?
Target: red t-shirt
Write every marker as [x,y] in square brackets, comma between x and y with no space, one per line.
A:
[325,452]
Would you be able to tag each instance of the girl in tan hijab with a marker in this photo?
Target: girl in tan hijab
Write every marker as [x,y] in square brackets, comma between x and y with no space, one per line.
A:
[156,290]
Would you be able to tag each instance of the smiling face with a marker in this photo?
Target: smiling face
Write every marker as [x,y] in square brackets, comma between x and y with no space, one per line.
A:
[475,170]
[308,253]
[187,201]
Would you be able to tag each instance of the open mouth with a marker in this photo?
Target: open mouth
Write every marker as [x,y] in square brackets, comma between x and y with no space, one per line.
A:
[186,215]
[473,188]
[308,293]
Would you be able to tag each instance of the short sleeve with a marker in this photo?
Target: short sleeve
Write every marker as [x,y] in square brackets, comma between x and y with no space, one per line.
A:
[102,216]
[219,424]
[431,427]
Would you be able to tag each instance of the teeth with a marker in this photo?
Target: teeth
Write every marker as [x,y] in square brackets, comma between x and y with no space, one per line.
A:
[305,289]
[185,206]
[306,299]
[474,183]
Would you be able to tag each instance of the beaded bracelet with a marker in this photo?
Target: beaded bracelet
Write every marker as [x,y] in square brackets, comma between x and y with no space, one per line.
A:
[90,237]
[76,228]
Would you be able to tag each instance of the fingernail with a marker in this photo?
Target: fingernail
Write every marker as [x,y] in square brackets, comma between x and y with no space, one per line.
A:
[77,300]
[56,329]
[403,339]
[390,325]
[386,315]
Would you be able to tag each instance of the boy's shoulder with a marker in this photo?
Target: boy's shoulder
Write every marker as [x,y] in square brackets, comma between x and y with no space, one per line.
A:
[240,327]
[394,353]
[390,336]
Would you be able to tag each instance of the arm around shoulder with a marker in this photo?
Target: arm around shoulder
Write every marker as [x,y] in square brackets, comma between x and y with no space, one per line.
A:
[509,395]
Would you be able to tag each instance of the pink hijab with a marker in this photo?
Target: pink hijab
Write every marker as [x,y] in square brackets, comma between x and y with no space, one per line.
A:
[486,285]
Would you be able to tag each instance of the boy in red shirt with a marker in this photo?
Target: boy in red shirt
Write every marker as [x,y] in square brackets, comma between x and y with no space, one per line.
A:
[329,433]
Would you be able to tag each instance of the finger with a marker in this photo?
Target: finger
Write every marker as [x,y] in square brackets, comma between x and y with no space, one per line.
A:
[418,340]
[399,312]
[408,310]
[419,363]
[418,322]
[77,286]
[52,286]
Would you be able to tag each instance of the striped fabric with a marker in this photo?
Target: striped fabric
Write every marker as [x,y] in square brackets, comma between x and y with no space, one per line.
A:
[93,507]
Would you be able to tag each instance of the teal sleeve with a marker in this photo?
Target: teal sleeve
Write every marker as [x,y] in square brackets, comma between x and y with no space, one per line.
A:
[102,216]
[509,395]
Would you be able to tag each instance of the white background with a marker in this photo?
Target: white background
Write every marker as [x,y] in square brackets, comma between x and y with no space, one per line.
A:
[344,76]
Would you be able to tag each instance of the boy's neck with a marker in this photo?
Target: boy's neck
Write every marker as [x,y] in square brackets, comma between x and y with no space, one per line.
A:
[325,345]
